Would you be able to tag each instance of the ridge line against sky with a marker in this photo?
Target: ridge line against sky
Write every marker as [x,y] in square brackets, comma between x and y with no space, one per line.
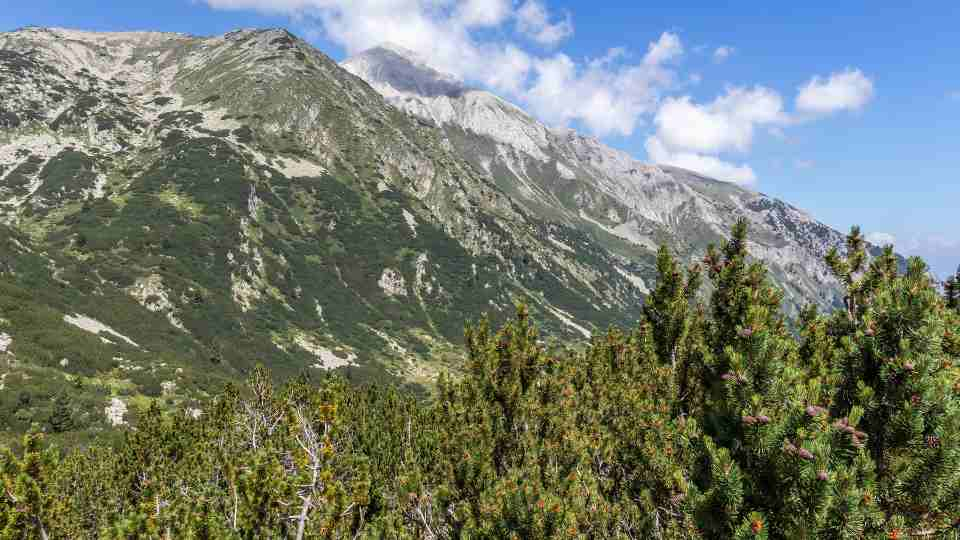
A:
[510,48]
[846,111]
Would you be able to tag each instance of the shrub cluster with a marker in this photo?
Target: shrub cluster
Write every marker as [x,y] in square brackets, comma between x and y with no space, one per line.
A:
[709,419]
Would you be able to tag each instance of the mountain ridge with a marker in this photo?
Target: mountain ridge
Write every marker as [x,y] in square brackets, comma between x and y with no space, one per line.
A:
[634,201]
[176,209]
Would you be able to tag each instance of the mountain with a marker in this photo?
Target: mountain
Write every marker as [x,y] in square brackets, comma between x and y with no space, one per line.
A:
[175,209]
[627,206]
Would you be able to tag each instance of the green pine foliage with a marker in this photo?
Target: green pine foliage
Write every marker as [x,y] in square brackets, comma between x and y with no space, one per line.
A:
[714,417]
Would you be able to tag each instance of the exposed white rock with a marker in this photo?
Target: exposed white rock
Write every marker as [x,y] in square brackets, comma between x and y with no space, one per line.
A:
[561,245]
[296,168]
[568,320]
[5,342]
[565,171]
[411,221]
[168,387]
[64,362]
[194,413]
[392,283]
[95,327]
[392,343]
[421,283]
[150,293]
[637,281]
[115,412]
[328,359]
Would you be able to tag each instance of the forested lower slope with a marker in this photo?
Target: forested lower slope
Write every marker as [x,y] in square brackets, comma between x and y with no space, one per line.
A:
[714,420]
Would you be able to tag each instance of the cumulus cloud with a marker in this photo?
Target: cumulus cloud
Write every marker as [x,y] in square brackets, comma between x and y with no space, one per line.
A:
[533,20]
[849,89]
[720,54]
[665,49]
[483,12]
[881,239]
[499,45]
[701,163]
[727,123]
[605,94]
[690,135]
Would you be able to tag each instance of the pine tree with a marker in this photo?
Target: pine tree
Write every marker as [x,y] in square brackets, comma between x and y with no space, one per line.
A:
[61,417]
[768,418]
[952,291]
[676,326]
[897,376]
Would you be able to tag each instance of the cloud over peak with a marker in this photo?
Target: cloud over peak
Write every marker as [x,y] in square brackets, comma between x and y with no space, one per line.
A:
[508,46]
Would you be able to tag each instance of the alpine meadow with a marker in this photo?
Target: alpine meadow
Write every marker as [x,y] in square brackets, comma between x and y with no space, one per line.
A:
[248,291]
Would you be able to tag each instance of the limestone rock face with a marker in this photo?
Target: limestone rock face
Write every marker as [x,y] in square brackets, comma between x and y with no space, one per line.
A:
[629,206]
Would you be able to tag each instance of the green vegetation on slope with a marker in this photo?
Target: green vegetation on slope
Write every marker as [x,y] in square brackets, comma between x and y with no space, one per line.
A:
[704,421]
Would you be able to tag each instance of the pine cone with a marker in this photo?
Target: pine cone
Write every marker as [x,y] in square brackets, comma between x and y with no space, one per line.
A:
[805,454]
[823,476]
[763,419]
[815,410]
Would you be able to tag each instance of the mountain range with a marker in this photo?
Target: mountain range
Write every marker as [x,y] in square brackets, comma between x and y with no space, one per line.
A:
[175,209]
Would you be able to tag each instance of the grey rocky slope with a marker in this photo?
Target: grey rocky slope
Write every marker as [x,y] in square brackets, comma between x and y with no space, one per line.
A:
[208,203]
[628,206]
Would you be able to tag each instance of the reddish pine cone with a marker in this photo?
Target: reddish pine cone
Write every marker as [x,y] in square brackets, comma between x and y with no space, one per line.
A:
[763,419]
[815,410]
[823,476]
[803,453]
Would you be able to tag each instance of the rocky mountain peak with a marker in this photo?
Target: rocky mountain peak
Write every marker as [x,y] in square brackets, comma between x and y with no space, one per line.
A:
[395,70]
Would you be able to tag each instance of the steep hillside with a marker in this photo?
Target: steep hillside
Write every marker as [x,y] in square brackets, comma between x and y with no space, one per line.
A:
[627,206]
[195,205]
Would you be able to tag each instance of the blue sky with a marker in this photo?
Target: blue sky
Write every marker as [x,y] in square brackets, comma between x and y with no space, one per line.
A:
[874,140]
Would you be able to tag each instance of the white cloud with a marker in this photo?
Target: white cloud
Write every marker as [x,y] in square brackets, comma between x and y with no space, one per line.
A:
[483,12]
[725,124]
[849,89]
[533,21]
[488,43]
[607,95]
[472,40]
[804,164]
[704,164]
[690,135]
[881,239]
[665,49]
[720,54]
